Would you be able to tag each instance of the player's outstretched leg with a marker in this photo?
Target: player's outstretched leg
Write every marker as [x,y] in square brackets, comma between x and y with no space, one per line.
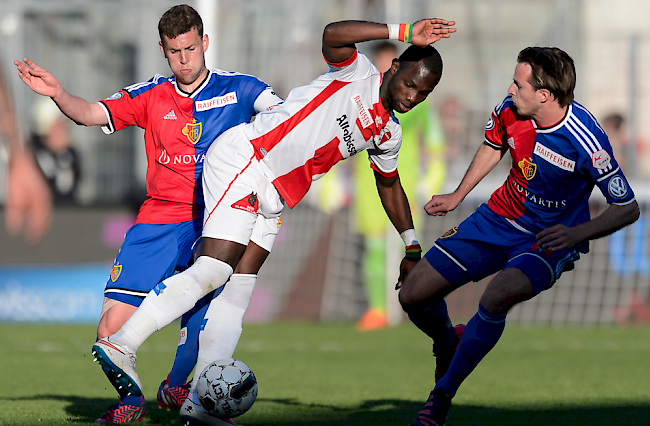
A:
[193,414]
[175,388]
[118,362]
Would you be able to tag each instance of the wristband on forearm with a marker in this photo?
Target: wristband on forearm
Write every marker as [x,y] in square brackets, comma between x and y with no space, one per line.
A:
[413,249]
[401,32]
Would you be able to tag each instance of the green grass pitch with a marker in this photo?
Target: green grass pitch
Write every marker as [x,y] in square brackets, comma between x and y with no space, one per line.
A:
[332,375]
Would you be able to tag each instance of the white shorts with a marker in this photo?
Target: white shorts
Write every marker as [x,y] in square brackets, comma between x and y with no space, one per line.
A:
[241,203]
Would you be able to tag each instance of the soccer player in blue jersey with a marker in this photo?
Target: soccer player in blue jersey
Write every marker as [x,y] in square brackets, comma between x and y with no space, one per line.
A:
[182,115]
[532,228]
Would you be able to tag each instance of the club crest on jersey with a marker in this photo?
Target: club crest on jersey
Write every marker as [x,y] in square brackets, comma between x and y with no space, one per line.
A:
[449,233]
[600,159]
[528,168]
[116,271]
[193,131]
[249,203]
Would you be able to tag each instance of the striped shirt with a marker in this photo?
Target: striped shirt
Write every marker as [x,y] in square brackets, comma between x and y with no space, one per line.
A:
[337,115]
[554,169]
[179,127]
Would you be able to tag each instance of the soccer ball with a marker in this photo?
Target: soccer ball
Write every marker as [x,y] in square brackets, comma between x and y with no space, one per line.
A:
[227,388]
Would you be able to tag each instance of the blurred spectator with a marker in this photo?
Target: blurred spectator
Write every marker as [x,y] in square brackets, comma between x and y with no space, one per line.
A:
[28,203]
[421,167]
[631,159]
[613,126]
[55,156]
[454,123]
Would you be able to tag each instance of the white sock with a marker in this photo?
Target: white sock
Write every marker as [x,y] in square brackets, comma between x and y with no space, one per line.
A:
[223,325]
[171,299]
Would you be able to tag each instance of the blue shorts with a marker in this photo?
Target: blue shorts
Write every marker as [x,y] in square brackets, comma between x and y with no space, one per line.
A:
[486,243]
[149,254]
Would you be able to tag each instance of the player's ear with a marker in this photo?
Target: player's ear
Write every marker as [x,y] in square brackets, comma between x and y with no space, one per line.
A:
[544,95]
[206,42]
[162,49]
[394,66]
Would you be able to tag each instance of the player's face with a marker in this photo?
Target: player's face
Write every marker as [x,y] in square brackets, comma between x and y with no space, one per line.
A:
[186,57]
[527,100]
[410,84]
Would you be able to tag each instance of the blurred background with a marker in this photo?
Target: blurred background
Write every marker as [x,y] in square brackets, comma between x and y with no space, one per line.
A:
[324,266]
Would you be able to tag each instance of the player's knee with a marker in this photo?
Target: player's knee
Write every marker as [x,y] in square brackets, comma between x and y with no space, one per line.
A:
[501,296]
[408,295]
[113,318]
[423,286]
[105,329]
[411,299]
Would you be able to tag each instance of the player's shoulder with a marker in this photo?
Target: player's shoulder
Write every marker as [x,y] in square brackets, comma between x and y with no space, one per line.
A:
[504,105]
[584,116]
[581,129]
[358,64]
[144,87]
[221,76]
[581,125]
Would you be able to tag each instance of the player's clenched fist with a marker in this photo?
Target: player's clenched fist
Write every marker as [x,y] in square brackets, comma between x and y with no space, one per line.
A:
[439,205]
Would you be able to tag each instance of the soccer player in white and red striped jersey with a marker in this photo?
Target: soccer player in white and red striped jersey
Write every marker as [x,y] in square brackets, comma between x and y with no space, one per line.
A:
[257,168]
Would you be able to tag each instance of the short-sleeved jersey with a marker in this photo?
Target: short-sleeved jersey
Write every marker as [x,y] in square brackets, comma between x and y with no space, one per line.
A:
[554,170]
[179,127]
[337,115]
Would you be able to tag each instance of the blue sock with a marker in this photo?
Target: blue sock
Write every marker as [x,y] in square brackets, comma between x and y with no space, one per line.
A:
[131,400]
[434,321]
[482,332]
[188,346]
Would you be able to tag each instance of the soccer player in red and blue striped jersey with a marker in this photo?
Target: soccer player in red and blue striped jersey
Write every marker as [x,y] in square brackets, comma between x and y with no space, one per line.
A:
[181,116]
[532,229]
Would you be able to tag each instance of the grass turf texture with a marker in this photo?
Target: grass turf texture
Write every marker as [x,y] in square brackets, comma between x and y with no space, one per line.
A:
[332,375]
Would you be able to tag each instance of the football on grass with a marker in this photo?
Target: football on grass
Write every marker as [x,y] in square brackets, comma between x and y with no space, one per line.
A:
[227,388]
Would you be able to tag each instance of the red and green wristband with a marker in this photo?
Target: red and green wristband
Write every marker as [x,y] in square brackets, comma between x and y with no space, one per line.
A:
[413,252]
[401,32]
[413,249]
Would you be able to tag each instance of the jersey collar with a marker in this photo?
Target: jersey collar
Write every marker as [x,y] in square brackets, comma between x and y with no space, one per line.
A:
[556,126]
[197,90]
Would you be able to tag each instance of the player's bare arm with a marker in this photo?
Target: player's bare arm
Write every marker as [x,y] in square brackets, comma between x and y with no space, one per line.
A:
[44,83]
[615,217]
[484,161]
[339,38]
[396,205]
[394,201]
